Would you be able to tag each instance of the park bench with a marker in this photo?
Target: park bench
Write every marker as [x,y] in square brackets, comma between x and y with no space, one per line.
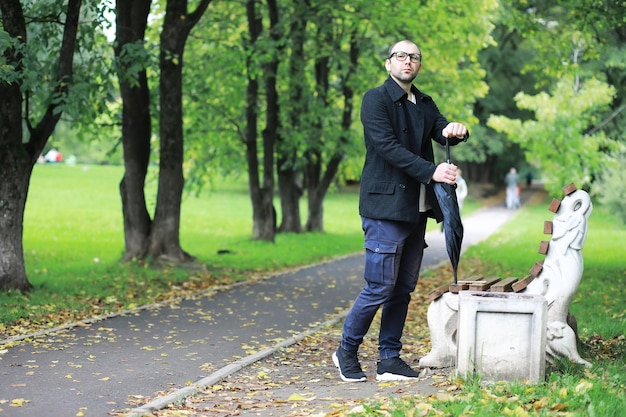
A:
[552,280]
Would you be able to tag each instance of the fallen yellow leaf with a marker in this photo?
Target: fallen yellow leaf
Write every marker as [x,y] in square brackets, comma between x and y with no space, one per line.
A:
[357,409]
[18,402]
[424,406]
[297,397]
[559,407]
[262,375]
[583,386]
[517,412]
[541,403]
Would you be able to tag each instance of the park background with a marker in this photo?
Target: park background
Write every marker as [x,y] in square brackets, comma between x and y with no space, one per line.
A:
[271,93]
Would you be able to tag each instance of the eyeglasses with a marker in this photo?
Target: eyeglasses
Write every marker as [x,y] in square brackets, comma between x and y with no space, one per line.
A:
[401,56]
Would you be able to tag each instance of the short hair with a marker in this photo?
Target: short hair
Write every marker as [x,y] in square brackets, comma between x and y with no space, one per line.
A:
[403,40]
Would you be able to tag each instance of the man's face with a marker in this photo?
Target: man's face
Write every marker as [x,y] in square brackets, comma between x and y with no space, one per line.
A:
[404,70]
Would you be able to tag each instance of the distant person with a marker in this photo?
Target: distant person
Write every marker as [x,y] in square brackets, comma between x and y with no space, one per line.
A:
[53,156]
[512,189]
[396,198]
[529,179]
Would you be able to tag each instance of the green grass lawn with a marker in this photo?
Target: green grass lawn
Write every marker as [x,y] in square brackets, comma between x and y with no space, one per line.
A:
[82,220]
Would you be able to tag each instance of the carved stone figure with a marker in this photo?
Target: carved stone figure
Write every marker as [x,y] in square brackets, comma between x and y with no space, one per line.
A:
[557,282]
[562,272]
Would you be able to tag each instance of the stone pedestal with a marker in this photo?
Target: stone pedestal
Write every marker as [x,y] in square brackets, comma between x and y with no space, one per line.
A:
[502,336]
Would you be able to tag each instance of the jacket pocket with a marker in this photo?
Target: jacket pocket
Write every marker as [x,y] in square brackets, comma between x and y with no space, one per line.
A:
[382,188]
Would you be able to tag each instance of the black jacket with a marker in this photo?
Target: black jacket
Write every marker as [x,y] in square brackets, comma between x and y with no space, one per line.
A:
[399,152]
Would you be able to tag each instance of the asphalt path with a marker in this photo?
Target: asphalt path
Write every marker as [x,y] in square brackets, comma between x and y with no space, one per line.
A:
[111,366]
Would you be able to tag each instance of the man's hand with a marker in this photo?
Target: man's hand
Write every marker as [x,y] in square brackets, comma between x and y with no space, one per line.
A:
[454,129]
[445,173]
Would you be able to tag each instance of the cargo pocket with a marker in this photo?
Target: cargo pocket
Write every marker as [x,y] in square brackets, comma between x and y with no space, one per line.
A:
[380,262]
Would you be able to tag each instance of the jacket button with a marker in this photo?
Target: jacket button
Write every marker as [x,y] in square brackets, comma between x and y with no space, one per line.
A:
[402,186]
[377,250]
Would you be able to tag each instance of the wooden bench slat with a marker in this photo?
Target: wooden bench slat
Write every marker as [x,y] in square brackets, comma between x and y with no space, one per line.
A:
[522,284]
[569,189]
[483,286]
[459,286]
[554,205]
[506,285]
[547,227]
[536,269]
[471,279]
[437,292]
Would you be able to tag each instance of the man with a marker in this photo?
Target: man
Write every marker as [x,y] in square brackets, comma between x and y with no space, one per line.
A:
[512,189]
[396,197]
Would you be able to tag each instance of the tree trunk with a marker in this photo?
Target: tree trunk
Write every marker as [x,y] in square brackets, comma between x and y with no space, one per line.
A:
[15,165]
[15,170]
[17,158]
[272,119]
[317,191]
[165,234]
[290,193]
[132,19]
[318,183]
[158,239]
[263,212]
[164,240]
[290,185]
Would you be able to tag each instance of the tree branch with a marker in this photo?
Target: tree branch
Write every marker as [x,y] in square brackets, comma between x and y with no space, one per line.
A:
[46,125]
[607,120]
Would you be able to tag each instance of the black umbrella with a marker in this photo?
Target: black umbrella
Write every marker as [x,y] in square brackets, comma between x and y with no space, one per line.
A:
[452,226]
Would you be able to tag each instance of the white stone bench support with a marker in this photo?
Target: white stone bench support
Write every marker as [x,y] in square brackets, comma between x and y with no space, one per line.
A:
[502,336]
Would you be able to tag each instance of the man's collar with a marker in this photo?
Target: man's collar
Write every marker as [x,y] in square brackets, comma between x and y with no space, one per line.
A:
[396,92]
[393,88]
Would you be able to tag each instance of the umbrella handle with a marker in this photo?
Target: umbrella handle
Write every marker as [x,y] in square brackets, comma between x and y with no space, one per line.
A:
[448,161]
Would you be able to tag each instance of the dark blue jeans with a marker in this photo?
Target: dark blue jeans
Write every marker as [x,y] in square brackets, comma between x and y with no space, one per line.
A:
[393,256]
